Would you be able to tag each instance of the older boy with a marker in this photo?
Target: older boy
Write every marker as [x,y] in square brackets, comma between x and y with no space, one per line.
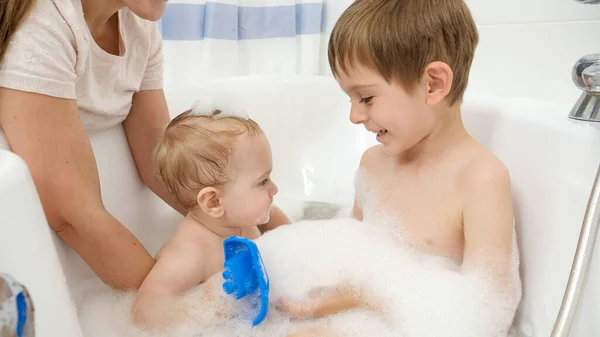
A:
[405,65]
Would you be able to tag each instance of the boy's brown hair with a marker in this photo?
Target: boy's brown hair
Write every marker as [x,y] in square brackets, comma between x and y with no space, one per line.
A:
[399,38]
[195,150]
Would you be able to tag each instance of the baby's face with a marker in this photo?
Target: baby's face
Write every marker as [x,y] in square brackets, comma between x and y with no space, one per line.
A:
[398,119]
[248,195]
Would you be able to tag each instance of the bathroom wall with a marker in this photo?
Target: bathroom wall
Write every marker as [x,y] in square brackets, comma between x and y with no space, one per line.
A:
[527,47]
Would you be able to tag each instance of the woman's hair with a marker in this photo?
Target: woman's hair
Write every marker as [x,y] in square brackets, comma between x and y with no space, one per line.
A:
[12,14]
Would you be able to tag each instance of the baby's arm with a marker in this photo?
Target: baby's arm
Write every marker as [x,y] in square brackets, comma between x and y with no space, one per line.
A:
[488,222]
[178,269]
[329,301]
[278,218]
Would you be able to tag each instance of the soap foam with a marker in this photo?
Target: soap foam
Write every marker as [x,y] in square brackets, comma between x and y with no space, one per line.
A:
[420,295]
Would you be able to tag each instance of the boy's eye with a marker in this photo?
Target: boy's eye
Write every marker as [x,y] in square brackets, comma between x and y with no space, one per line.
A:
[366,99]
[264,182]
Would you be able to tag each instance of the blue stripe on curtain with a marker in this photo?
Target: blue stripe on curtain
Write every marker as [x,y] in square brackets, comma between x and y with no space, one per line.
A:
[183,21]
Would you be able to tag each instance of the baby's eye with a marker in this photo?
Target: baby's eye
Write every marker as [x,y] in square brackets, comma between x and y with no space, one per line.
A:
[366,99]
[264,182]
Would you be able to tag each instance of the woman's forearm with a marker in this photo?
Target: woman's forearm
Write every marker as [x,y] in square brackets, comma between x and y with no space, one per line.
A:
[110,249]
[142,153]
[144,126]
[160,189]
[47,133]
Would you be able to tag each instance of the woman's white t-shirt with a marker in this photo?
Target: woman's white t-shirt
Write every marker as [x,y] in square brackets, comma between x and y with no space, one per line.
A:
[53,53]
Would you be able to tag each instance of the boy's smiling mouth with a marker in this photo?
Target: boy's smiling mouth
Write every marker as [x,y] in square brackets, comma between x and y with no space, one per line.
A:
[381,132]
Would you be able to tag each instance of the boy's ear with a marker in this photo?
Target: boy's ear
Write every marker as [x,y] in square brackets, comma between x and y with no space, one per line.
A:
[438,78]
[209,201]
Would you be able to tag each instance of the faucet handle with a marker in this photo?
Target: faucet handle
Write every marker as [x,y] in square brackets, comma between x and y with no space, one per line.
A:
[581,65]
[591,78]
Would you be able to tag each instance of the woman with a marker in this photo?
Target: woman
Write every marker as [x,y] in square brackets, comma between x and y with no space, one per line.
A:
[68,68]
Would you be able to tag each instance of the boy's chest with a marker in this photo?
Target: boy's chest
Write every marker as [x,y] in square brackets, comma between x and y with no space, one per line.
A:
[425,213]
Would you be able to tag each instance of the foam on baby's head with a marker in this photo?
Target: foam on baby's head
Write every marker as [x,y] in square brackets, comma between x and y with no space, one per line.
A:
[196,147]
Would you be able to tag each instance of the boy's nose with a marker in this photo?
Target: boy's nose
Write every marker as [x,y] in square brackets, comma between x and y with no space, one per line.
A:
[357,115]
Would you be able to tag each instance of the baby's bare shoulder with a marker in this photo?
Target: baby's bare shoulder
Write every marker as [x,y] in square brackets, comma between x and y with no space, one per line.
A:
[189,239]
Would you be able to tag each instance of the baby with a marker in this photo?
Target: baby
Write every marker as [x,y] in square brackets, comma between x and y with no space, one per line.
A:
[218,166]
[405,65]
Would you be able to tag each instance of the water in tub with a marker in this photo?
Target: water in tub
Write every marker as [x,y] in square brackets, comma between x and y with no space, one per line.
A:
[420,295]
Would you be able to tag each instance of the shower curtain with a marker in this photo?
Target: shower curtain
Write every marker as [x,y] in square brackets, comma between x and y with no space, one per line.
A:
[208,39]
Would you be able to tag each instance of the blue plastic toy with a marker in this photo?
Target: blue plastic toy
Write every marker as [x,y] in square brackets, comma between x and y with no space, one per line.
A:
[245,273]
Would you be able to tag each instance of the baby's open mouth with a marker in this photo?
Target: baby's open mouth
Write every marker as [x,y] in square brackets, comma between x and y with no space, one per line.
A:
[381,132]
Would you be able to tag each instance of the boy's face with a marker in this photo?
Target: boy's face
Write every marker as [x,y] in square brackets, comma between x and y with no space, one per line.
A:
[248,196]
[400,120]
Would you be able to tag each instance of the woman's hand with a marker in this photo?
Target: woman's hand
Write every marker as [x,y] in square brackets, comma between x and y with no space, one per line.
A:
[47,133]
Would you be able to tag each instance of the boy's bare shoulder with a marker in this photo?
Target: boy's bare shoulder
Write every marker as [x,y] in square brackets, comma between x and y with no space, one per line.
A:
[487,214]
[483,169]
[486,190]
[372,159]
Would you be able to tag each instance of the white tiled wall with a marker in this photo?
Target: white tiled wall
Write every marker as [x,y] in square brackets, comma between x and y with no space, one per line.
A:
[487,12]
[497,12]
[527,47]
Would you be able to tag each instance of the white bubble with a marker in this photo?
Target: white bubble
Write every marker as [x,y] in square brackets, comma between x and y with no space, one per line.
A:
[419,295]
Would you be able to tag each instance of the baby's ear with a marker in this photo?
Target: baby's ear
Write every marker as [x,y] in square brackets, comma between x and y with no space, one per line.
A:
[438,77]
[209,201]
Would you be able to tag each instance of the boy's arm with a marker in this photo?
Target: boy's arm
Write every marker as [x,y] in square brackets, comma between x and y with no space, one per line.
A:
[357,212]
[488,224]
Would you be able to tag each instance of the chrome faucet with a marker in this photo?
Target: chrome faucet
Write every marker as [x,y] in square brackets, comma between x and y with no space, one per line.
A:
[586,75]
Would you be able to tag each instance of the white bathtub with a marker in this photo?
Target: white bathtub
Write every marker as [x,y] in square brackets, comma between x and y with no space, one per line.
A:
[552,160]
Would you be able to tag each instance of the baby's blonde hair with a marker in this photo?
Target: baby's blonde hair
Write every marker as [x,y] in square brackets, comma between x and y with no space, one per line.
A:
[399,38]
[195,150]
